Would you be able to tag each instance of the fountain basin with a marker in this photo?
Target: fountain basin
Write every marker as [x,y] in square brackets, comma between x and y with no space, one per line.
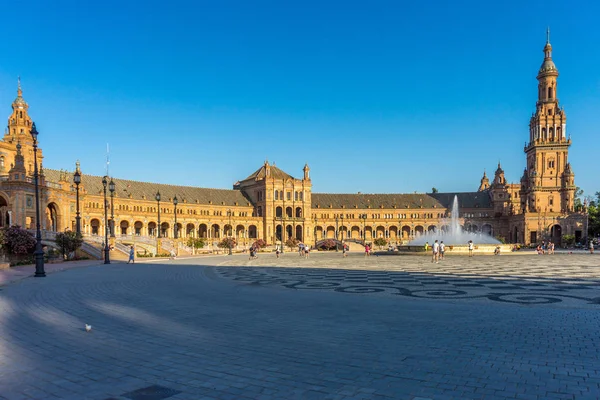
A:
[460,249]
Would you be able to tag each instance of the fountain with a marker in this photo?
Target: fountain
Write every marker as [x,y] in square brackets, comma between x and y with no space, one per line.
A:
[455,239]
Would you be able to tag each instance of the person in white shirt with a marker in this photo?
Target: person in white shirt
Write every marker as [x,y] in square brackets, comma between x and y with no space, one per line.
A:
[442,249]
[470,248]
[436,250]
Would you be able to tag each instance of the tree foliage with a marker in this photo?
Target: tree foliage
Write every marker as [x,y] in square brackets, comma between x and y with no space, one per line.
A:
[227,243]
[259,244]
[568,240]
[292,242]
[594,217]
[18,241]
[68,241]
[196,243]
[577,201]
[434,190]
[380,242]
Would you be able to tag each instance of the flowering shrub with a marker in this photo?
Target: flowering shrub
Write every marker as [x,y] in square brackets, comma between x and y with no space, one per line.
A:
[227,243]
[259,243]
[18,241]
[328,244]
[292,242]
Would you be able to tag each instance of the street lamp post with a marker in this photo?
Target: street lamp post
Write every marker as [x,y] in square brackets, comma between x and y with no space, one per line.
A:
[175,202]
[399,233]
[111,187]
[342,230]
[336,234]
[38,253]
[157,197]
[316,220]
[230,231]
[364,218]
[77,181]
[282,232]
[106,248]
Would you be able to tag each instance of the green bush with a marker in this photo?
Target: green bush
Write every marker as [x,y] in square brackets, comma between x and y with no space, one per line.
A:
[380,242]
[569,240]
[68,242]
[196,243]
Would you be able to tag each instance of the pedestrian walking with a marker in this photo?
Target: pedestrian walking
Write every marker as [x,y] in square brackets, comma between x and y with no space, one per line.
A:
[435,251]
[470,248]
[367,250]
[591,247]
[442,250]
[131,255]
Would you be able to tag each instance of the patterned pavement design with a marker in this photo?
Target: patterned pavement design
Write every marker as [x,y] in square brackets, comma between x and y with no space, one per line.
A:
[526,280]
[189,329]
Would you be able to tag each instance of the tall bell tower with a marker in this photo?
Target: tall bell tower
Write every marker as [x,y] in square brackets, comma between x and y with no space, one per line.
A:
[548,181]
[18,130]
[19,123]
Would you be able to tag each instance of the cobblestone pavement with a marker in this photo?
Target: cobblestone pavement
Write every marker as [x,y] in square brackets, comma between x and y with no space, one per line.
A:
[192,329]
[14,274]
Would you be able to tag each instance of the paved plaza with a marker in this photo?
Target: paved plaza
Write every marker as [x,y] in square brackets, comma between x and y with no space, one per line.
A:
[327,327]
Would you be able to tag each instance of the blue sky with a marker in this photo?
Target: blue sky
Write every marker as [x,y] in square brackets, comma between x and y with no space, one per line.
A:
[378,96]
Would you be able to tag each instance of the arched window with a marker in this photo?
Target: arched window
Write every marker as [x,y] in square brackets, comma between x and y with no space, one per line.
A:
[550,93]
[276,195]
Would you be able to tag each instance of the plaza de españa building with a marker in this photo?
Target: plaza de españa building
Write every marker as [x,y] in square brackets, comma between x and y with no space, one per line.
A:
[272,205]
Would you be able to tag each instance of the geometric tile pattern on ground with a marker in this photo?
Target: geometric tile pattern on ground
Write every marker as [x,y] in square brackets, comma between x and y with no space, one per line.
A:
[512,279]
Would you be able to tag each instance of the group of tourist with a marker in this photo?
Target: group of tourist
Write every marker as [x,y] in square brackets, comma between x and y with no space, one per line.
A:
[439,249]
[253,252]
[303,250]
[545,248]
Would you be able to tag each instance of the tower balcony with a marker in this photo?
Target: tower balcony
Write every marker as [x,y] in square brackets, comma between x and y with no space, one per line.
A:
[546,143]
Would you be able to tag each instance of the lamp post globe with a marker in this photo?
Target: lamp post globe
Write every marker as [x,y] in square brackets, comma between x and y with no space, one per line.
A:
[39,252]
[77,181]
[106,247]
[157,197]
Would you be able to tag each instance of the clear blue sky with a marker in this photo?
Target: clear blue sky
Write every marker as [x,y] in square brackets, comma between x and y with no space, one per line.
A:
[376,96]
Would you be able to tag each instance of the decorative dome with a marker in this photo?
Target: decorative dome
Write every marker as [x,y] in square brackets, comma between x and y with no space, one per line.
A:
[19,101]
[548,66]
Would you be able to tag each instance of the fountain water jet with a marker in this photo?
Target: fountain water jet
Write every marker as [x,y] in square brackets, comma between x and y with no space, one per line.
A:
[455,235]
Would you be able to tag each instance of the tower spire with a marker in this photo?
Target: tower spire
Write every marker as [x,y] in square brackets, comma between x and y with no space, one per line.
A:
[19,91]
[548,35]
